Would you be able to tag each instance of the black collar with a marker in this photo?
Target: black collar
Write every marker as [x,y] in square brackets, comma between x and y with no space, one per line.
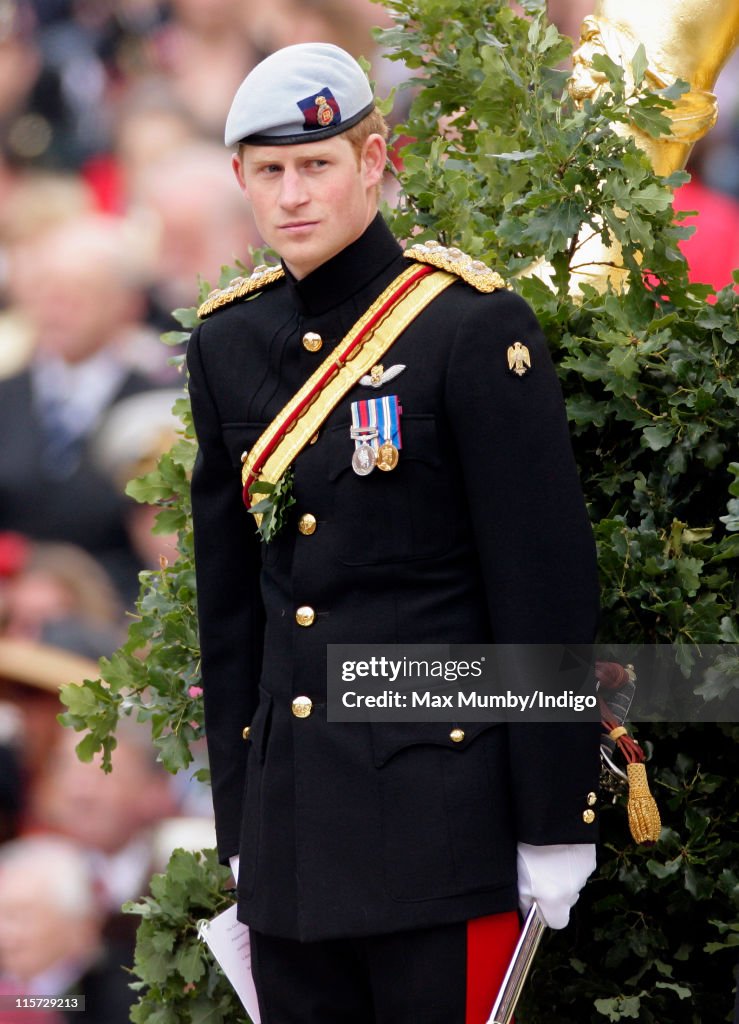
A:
[347,273]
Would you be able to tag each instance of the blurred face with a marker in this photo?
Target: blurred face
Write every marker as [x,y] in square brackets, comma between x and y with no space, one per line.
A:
[35,933]
[100,811]
[313,199]
[77,309]
[33,600]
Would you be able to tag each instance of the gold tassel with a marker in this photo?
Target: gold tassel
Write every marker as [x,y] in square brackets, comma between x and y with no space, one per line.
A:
[644,819]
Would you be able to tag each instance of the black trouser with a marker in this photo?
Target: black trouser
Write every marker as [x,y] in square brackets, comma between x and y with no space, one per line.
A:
[413,977]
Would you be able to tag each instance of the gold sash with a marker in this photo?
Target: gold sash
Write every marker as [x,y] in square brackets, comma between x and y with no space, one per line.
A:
[364,345]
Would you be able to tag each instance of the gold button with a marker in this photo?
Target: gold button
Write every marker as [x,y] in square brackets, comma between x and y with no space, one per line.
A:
[246,732]
[307,524]
[315,437]
[312,342]
[305,616]
[592,799]
[588,817]
[301,707]
[456,735]
[244,456]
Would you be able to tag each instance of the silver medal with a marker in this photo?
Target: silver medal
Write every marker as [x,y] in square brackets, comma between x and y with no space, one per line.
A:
[364,459]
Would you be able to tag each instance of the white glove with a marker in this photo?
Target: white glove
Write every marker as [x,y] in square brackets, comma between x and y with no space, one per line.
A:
[234,862]
[553,876]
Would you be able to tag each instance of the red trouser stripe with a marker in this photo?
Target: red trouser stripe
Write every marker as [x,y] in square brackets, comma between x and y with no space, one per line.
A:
[490,944]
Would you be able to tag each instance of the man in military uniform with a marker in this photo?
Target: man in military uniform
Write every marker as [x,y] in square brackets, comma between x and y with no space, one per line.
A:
[413,407]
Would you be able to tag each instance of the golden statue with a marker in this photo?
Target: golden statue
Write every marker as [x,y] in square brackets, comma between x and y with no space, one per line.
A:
[684,39]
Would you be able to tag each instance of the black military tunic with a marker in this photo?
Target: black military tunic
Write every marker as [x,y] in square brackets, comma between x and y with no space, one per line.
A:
[480,534]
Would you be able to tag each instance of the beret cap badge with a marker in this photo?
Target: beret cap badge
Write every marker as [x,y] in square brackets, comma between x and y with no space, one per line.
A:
[320,110]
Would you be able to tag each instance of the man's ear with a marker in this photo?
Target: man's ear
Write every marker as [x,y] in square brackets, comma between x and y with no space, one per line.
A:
[238,169]
[374,157]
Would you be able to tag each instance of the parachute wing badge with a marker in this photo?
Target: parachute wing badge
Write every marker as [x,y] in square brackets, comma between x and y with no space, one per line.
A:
[519,359]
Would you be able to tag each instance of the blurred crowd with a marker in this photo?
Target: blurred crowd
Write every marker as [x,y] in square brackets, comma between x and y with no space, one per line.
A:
[116,196]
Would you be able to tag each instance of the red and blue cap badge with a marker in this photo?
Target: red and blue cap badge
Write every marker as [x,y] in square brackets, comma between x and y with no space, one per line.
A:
[320,110]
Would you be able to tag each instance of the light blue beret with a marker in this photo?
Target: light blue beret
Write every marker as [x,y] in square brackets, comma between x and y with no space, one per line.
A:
[301,93]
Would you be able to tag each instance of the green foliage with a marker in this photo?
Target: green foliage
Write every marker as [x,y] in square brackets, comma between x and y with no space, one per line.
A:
[155,675]
[502,164]
[654,937]
[179,980]
[273,506]
[519,175]
[516,172]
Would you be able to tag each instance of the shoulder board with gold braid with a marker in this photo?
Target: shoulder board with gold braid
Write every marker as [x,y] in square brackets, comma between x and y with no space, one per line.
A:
[239,288]
[453,260]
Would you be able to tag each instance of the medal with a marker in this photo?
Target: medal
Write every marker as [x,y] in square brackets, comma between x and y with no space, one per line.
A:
[387,456]
[375,418]
[364,459]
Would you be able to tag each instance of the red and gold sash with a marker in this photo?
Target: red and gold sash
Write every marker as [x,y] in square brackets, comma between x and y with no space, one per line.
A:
[364,345]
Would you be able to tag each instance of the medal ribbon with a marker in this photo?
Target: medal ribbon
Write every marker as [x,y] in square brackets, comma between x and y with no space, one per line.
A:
[376,414]
[367,341]
[390,429]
